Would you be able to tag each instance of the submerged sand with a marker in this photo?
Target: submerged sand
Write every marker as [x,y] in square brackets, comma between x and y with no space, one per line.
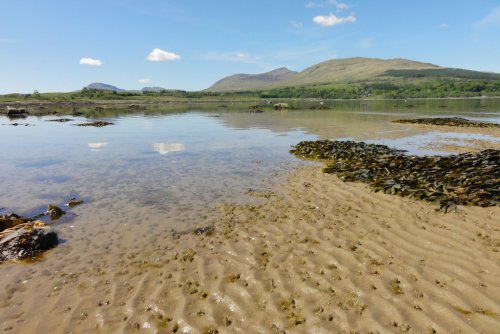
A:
[318,256]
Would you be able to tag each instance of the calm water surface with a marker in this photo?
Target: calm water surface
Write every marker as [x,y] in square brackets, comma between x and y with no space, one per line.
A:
[172,168]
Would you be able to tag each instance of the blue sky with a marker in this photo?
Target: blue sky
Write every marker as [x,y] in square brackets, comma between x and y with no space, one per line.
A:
[57,45]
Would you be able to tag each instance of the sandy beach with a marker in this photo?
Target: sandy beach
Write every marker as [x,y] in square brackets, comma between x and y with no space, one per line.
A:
[319,256]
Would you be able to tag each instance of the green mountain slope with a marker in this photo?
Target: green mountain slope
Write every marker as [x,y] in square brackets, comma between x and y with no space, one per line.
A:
[241,82]
[349,70]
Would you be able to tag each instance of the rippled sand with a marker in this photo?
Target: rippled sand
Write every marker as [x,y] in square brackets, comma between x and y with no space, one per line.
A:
[319,256]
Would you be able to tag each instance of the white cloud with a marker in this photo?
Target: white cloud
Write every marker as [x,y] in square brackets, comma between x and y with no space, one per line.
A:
[144,81]
[492,19]
[296,24]
[242,55]
[339,5]
[91,62]
[161,55]
[443,26]
[332,20]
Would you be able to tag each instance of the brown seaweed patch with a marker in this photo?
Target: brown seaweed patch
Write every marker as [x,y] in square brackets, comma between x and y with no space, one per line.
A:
[464,179]
[97,124]
[449,121]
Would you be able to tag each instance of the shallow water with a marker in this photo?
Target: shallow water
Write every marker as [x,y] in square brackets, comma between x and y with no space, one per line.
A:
[174,167]
[153,173]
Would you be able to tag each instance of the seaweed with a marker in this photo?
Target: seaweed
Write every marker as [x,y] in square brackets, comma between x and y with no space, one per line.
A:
[449,121]
[464,179]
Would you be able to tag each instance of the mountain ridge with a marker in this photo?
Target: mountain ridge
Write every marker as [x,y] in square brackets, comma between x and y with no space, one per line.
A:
[349,70]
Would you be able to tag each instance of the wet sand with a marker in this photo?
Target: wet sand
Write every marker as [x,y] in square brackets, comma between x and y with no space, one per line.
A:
[319,256]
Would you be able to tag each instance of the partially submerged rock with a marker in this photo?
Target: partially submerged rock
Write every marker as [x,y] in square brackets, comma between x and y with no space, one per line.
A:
[281,106]
[98,124]
[26,240]
[465,179]
[60,120]
[449,121]
[17,112]
[9,221]
[54,212]
[74,202]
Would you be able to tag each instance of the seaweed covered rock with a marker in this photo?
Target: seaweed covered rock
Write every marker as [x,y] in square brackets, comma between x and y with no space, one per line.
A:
[449,121]
[54,212]
[26,240]
[9,221]
[97,124]
[465,179]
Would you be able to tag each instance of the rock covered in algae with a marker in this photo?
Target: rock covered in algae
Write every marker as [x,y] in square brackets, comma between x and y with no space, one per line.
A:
[97,124]
[449,121]
[54,212]
[26,241]
[464,179]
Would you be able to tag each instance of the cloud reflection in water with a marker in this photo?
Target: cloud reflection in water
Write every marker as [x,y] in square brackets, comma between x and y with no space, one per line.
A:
[164,148]
[97,146]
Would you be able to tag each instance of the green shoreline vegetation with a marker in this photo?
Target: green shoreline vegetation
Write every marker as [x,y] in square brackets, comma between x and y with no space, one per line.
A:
[434,88]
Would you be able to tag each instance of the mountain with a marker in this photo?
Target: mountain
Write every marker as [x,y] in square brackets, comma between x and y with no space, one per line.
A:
[241,82]
[346,71]
[153,89]
[352,69]
[103,86]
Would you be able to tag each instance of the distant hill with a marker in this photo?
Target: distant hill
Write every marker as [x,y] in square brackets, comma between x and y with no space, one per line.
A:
[347,71]
[154,89]
[103,86]
[352,69]
[240,82]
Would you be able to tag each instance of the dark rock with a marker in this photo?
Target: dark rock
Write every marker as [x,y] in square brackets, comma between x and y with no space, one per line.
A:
[17,112]
[9,221]
[28,241]
[61,120]
[74,202]
[54,212]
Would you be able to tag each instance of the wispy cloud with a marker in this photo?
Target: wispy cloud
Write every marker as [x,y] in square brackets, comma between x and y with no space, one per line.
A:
[366,43]
[144,81]
[90,61]
[230,56]
[443,26]
[490,20]
[333,20]
[296,24]
[7,41]
[339,5]
[161,55]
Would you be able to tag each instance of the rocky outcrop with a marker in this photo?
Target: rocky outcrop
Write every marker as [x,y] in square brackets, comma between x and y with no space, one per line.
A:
[26,241]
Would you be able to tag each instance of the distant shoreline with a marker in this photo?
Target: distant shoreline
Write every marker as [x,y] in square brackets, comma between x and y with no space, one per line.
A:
[43,107]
